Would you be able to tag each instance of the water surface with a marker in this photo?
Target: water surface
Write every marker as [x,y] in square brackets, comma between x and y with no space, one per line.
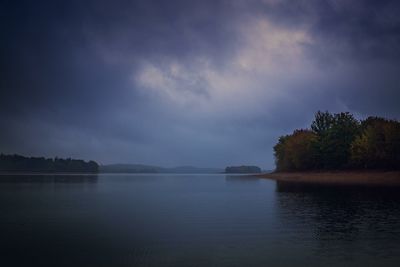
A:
[194,220]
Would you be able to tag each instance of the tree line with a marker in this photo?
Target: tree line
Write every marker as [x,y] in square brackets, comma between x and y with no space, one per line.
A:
[12,163]
[340,141]
[242,169]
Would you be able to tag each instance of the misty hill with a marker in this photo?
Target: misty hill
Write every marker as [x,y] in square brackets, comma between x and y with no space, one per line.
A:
[242,169]
[140,168]
[129,168]
[18,163]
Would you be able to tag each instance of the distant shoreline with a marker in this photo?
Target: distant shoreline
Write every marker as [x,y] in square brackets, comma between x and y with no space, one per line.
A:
[47,173]
[371,178]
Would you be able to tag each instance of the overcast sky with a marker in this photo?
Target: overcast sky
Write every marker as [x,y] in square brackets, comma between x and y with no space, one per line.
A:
[205,83]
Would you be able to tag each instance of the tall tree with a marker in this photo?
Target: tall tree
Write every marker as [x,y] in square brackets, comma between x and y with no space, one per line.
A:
[335,135]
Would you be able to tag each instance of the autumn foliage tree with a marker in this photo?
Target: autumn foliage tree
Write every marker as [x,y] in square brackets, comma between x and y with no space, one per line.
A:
[297,151]
[339,141]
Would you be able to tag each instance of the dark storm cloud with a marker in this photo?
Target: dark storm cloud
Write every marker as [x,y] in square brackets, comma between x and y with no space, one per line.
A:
[361,37]
[188,82]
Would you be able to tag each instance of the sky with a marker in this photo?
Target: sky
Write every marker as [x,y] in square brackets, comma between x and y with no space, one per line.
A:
[204,83]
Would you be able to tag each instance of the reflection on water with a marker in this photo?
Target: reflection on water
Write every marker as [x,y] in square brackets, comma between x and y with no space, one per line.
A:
[49,178]
[242,178]
[194,220]
[346,222]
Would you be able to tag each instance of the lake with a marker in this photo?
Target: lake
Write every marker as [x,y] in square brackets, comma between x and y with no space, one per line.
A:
[194,220]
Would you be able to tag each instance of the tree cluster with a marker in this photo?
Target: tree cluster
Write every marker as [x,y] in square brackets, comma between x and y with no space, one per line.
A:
[12,163]
[339,141]
[242,169]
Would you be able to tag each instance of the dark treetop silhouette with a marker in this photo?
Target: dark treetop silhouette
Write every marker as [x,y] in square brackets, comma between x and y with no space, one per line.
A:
[17,163]
[339,141]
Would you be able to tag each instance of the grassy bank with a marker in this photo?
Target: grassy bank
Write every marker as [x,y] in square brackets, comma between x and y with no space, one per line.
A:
[339,177]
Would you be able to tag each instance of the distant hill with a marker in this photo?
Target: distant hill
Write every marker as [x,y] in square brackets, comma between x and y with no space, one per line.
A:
[242,169]
[140,168]
[129,168]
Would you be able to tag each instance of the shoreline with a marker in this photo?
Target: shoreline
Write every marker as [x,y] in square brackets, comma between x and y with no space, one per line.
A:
[47,173]
[385,178]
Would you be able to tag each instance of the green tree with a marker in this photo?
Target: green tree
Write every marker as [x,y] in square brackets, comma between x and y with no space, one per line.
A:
[322,123]
[335,135]
[378,145]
